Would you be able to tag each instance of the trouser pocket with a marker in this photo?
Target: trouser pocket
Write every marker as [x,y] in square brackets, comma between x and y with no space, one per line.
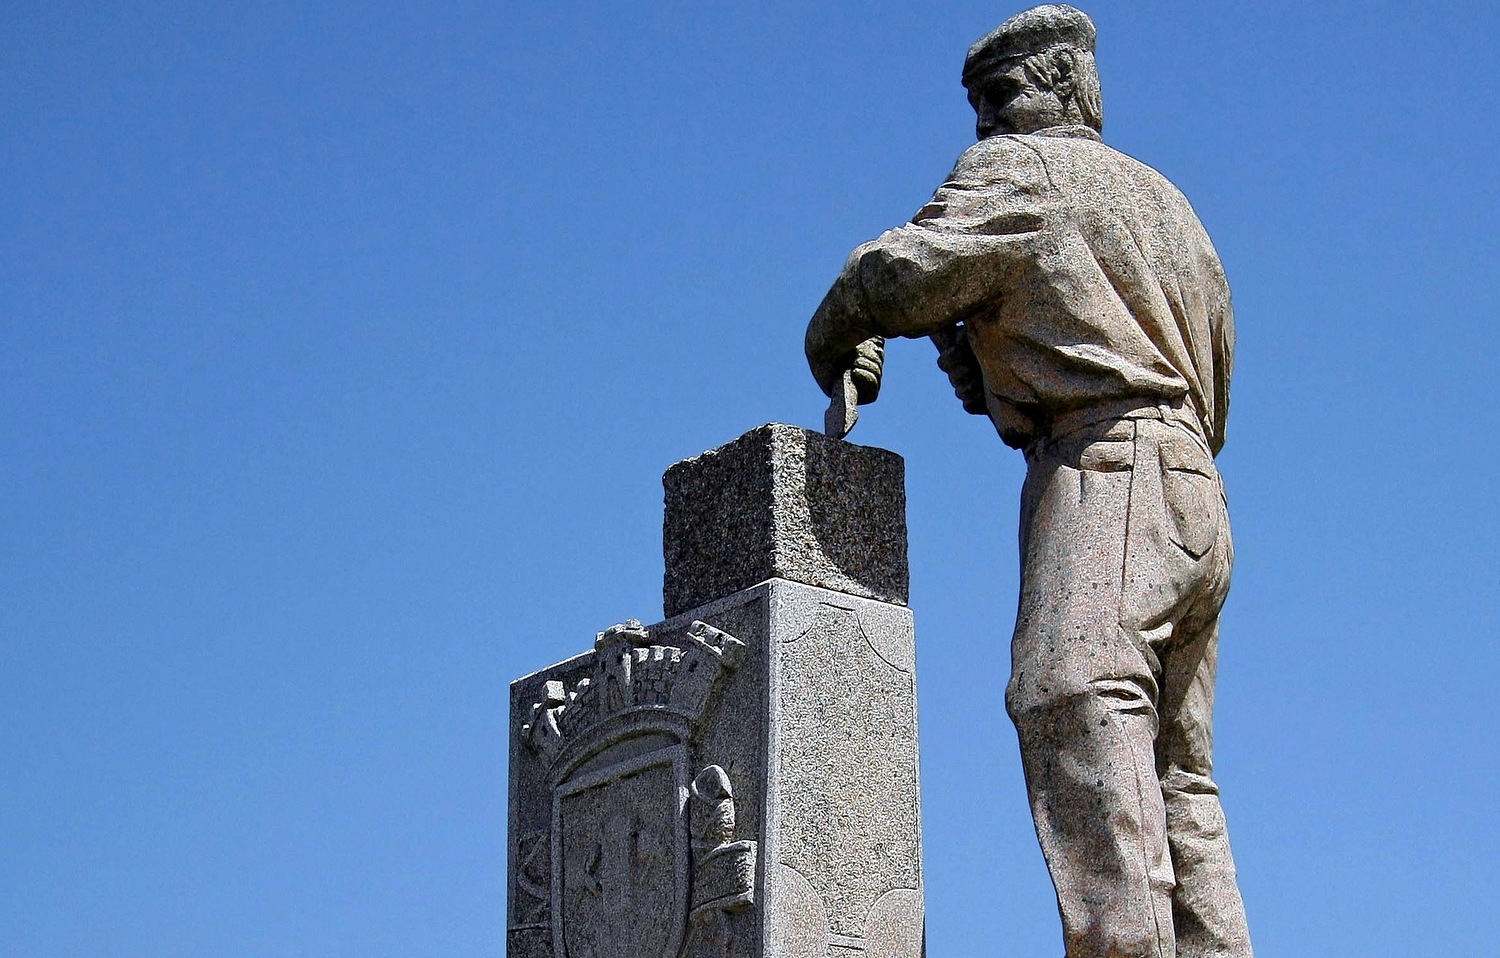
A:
[1173,526]
[1190,499]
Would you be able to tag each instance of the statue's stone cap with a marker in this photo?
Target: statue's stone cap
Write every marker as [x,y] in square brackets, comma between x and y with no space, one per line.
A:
[784,502]
[1030,31]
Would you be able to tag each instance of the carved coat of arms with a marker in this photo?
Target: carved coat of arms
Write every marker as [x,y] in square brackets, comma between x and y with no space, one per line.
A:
[639,843]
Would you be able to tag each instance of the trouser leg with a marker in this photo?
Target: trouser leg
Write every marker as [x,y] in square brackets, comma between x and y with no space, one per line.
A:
[1082,696]
[1208,913]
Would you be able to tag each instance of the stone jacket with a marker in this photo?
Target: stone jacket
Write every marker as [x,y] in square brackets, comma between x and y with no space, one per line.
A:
[1082,276]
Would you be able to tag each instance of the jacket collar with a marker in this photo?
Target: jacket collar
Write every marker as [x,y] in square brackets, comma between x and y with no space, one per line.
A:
[1074,130]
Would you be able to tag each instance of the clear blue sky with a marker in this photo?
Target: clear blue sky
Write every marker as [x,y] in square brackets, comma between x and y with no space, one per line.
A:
[344,345]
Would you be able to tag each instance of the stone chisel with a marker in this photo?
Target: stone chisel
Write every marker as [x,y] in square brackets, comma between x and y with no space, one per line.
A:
[843,407]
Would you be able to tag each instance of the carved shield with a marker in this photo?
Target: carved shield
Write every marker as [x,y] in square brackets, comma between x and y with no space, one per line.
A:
[620,858]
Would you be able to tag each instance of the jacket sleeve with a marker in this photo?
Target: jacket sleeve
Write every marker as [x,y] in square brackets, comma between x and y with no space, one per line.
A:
[952,259]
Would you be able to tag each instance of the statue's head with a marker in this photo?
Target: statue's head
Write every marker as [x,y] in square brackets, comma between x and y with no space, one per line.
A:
[1034,71]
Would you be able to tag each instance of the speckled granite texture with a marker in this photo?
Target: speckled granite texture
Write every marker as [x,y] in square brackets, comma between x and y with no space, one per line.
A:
[740,780]
[746,787]
[785,502]
[1077,300]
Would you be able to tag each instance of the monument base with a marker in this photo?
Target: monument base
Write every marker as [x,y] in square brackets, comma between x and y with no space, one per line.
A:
[739,780]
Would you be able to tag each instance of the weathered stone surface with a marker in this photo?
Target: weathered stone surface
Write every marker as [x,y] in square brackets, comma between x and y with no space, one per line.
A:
[784,502]
[738,781]
[1077,301]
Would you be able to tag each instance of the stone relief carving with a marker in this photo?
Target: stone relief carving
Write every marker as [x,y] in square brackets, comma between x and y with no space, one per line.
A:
[633,685]
[534,882]
[723,869]
[620,860]
[800,922]
[895,927]
[635,849]
[846,761]
[528,943]
[890,633]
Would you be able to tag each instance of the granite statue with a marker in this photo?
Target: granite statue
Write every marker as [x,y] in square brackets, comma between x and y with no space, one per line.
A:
[1077,301]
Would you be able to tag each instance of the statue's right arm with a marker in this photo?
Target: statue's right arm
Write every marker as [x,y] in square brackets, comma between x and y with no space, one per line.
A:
[951,260]
[837,328]
[958,254]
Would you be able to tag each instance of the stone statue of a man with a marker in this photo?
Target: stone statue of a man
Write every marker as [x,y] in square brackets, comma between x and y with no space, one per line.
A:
[1079,303]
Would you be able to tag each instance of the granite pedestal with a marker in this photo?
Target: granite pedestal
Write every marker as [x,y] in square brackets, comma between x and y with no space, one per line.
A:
[739,780]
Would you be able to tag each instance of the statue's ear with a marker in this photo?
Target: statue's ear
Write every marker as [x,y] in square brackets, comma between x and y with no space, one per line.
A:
[1066,84]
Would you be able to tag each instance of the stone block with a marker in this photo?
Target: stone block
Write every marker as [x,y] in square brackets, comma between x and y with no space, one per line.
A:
[738,781]
[784,502]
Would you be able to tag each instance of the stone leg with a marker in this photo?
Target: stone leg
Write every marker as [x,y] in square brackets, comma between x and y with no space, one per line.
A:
[1125,556]
[1081,695]
[1206,908]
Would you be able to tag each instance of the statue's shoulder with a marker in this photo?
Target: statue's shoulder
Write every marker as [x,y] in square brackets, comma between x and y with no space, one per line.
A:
[1006,158]
[1148,184]
[1075,149]
[1082,160]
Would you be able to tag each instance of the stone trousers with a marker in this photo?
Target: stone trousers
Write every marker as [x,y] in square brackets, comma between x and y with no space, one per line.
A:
[1126,557]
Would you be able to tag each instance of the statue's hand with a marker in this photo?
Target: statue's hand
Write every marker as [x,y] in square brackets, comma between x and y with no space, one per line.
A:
[962,366]
[869,362]
[836,321]
[865,362]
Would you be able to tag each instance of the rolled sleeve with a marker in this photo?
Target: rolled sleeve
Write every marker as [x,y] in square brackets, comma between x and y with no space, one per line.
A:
[952,259]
